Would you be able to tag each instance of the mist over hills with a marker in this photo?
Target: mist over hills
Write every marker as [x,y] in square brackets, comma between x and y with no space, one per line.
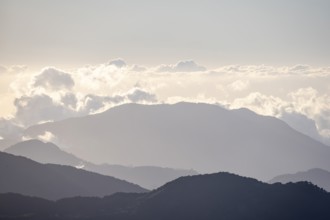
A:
[203,137]
[212,196]
[316,176]
[149,177]
[50,181]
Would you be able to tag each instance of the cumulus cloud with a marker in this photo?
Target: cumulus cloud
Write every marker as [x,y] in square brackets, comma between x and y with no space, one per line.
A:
[39,108]
[119,63]
[182,66]
[138,95]
[53,79]
[261,104]
[100,77]
[70,100]
[94,103]
[47,136]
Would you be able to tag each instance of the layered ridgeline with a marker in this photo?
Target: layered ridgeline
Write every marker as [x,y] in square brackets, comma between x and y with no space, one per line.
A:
[203,137]
[149,177]
[25,176]
[316,176]
[211,197]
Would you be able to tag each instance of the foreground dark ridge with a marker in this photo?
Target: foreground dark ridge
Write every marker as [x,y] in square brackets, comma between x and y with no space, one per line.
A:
[211,197]
[50,181]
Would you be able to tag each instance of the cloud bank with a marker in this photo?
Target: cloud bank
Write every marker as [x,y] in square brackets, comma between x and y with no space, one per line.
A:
[298,94]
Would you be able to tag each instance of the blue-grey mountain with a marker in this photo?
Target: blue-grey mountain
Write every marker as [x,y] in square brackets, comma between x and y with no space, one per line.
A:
[316,176]
[203,137]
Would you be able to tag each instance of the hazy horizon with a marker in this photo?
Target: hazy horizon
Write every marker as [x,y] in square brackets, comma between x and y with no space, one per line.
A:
[61,59]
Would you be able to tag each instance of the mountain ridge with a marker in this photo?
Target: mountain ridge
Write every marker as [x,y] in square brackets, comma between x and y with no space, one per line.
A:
[149,177]
[202,137]
[317,176]
[209,196]
[25,176]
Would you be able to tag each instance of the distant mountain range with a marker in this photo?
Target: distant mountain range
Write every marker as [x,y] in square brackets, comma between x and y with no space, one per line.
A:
[149,177]
[316,176]
[203,137]
[25,176]
[211,197]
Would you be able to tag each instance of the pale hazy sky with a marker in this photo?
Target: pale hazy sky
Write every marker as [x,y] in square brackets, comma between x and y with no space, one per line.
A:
[270,56]
[71,33]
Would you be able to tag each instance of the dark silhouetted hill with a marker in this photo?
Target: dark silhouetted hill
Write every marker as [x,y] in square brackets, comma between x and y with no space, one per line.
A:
[25,176]
[211,197]
[203,137]
[316,176]
[149,177]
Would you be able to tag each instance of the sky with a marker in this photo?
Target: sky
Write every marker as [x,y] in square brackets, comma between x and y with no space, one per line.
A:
[68,58]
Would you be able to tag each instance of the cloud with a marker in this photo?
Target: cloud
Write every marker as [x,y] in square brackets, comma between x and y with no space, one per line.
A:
[138,68]
[47,136]
[99,77]
[300,69]
[182,66]
[35,109]
[137,95]
[239,85]
[93,103]
[261,104]
[53,79]
[119,63]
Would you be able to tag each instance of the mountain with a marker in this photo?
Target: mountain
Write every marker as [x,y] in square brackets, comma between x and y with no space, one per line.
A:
[316,176]
[43,153]
[5,143]
[25,176]
[203,137]
[149,177]
[211,197]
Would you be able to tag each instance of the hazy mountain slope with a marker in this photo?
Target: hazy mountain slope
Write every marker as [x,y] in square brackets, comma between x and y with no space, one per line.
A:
[25,176]
[5,143]
[203,137]
[43,153]
[149,177]
[212,196]
[316,176]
